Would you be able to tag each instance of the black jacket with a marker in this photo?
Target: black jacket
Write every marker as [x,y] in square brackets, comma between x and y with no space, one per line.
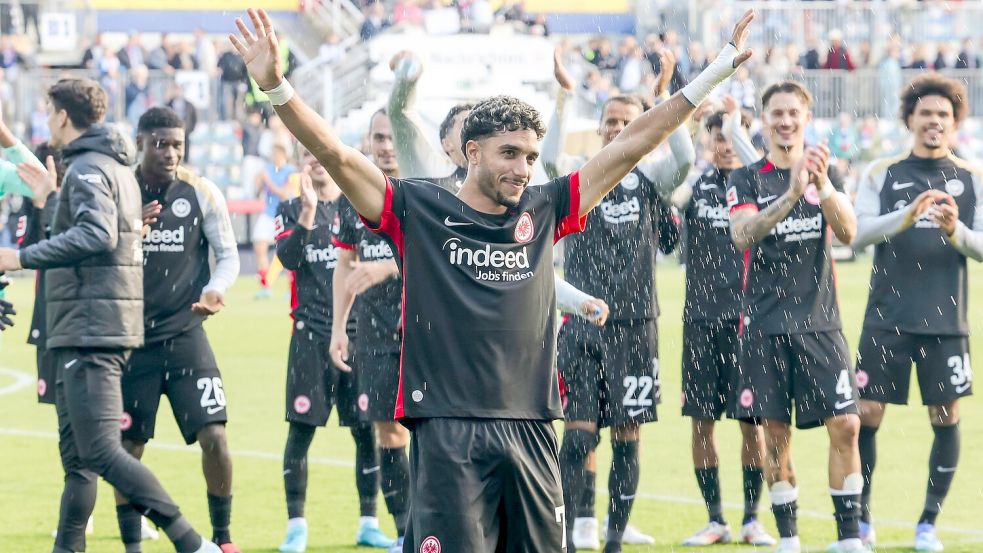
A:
[93,261]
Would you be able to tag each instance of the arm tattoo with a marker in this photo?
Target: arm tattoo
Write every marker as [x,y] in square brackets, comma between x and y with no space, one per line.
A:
[749,229]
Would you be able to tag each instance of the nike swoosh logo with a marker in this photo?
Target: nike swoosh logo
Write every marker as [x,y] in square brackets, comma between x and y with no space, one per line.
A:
[214,409]
[843,404]
[945,469]
[901,186]
[70,363]
[636,412]
[710,186]
[766,199]
[370,470]
[448,222]
[627,497]
[963,387]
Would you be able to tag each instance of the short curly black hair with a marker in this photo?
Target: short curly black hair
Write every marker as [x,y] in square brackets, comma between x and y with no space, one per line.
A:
[933,84]
[500,114]
[448,122]
[159,117]
[84,100]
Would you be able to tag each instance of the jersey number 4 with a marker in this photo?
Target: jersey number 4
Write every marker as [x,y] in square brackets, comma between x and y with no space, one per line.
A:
[212,394]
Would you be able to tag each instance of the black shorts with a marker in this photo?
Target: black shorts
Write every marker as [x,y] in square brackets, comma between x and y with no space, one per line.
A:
[314,385]
[378,383]
[484,485]
[610,373]
[47,369]
[810,370]
[710,370]
[183,368]
[884,361]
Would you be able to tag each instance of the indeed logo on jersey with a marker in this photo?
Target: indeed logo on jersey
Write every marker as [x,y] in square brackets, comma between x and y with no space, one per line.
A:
[796,229]
[368,251]
[160,240]
[490,264]
[328,256]
[718,215]
[621,212]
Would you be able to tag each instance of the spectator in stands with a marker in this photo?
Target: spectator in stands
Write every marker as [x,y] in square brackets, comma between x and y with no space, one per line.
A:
[538,25]
[481,15]
[865,54]
[109,65]
[919,58]
[740,87]
[810,59]
[159,58]
[633,66]
[844,138]
[7,105]
[38,123]
[837,55]
[204,52]
[184,57]
[678,80]
[408,12]
[512,10]
[967,58]
[890,79]
[132,53]
[696,59]
[869,139]
[375,21]
[188,113]
[602,56]
[137,97]
[92,54]
[941,56]
[232,83]
[777,65]
[272,187]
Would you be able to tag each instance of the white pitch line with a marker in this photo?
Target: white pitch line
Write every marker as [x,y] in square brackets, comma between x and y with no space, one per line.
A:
[21,380]
[330,461]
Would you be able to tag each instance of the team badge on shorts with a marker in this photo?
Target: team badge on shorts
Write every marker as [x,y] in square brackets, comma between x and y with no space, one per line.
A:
[363,402]
[302,404]
[430,544]
[125,421]
[181,207]
[747,398]
[42,386]
[524,229]
[862,379]
[811,194]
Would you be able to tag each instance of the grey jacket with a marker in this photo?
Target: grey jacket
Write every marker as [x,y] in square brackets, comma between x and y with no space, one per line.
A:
[94,259]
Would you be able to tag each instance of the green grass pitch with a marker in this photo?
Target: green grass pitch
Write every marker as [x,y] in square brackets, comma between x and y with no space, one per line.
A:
[250,339]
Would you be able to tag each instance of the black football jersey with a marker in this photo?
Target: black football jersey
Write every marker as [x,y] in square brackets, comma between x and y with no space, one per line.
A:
[789,285]
[919,282]
[479,337]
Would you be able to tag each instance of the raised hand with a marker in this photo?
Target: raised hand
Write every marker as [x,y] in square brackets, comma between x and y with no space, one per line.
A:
[817,162]
[41,182]
[739,37]
[560,72]
[667,66]
[922,203]
[408,64]
[945,213]
[6,309]
[151,211]
[260,52]
[730,104]
[308,199]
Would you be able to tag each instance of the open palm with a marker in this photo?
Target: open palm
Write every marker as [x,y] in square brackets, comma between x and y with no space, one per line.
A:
[260,52]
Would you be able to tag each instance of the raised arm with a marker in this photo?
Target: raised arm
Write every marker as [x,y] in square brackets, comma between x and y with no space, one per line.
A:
[414,153]
[361,181]
[551,154]
[836,206]
[734,131]
[606,169]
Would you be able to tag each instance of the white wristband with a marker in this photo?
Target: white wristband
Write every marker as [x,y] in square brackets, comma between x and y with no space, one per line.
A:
[826,191]
[281,93]
[719,69]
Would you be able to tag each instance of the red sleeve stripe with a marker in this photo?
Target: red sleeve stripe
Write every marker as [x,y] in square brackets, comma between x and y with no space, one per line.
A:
[572,222]
[340,244]
[739,207]
[284,234]
[388,221]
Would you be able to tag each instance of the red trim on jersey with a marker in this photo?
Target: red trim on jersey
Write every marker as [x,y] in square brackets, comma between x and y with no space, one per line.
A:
[293,292]
[388,221]
[767,167]
[571,222]
[402,351]
[283,235]
[342,245]
[744,206]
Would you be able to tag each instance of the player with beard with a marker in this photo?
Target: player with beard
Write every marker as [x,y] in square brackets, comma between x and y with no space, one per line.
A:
[924,211]
[710,323]
[793,356]
[305,229]
[95,248]
[610,374]
[416,157]
[187,219]
[477,384]
[367,275]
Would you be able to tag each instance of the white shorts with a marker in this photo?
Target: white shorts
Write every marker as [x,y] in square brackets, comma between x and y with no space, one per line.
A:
[263,229]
